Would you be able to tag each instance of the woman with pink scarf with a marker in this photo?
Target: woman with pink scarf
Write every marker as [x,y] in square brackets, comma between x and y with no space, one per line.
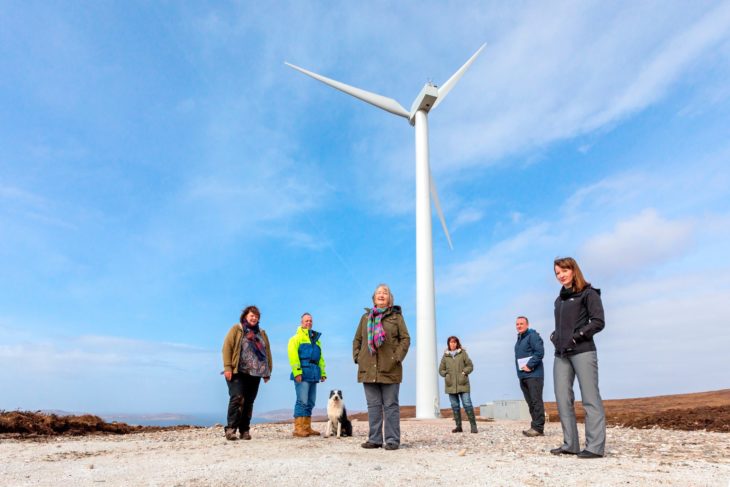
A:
[381,343]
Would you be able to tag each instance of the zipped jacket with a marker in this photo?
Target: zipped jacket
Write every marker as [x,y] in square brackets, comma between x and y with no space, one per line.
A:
[455,371]
[529,344]
[578,317]
[385,366]
[305,355]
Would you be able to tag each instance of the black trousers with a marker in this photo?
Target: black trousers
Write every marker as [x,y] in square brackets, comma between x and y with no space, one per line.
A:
[532,390]
[242,390]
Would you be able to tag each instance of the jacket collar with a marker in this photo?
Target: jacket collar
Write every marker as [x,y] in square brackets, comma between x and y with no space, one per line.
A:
[392,310]
[315,334]
[527,332]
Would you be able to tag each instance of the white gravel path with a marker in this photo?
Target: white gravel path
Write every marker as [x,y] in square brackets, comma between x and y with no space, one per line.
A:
[430,455]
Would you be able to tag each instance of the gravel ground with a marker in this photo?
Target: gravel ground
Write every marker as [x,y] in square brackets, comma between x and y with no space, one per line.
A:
[429,455]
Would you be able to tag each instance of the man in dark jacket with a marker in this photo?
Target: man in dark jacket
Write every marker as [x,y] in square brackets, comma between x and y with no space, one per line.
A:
[528,360]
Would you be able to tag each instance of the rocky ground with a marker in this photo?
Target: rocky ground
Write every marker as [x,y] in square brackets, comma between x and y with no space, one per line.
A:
[430,455]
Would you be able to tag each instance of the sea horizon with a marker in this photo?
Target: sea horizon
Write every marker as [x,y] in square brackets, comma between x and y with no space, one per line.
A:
[165,420]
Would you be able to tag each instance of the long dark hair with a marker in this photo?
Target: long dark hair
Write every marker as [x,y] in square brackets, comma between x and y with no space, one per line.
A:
[579,282]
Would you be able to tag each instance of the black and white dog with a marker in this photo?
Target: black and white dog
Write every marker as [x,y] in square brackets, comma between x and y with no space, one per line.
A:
[337,415]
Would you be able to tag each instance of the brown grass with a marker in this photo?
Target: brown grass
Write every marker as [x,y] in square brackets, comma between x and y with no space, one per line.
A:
[36,424]
[697,411]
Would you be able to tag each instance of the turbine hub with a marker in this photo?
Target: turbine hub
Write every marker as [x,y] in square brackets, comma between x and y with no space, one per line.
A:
[425,100]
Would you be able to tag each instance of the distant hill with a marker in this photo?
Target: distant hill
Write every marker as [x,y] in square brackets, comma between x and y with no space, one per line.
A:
[694,411]
[697,411]
[281,415]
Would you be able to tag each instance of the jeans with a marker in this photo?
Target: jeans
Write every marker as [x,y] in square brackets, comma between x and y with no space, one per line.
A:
[565,369]
[306,397]
[242,391]
[383,413]
[532,390]
[465,400]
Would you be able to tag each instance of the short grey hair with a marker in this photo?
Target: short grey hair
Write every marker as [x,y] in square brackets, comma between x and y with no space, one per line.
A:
[391,298]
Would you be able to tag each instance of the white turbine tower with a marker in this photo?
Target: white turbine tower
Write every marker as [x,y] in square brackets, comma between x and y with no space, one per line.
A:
[427,400]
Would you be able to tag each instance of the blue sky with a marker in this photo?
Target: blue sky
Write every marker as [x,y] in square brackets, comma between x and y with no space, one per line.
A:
[160,169]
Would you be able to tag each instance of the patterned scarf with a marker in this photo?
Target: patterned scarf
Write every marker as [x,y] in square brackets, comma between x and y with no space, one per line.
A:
[376,333]
[252,334]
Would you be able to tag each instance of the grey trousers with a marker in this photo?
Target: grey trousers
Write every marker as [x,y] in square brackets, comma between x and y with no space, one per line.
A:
[383,404]
[585,366]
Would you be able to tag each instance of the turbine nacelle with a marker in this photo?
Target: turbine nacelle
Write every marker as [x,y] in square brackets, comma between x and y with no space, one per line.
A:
[424,101]
[428,99]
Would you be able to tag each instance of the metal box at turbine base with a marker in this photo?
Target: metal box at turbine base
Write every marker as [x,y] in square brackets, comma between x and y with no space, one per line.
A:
[514,409]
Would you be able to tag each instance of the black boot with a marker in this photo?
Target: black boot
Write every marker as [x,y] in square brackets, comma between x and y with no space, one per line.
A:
[457,420]
[472,419]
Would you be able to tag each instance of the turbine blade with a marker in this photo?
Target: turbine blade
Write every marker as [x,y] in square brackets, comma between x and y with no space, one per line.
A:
[380,101]
[437,204]
[446,87]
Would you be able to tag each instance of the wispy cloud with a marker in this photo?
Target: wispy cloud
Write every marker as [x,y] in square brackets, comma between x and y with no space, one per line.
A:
[466,216]
[555,75]
[31,205]
[642,241]
[72,354]
[491,264]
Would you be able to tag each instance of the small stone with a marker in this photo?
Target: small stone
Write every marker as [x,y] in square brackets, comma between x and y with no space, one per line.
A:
[462,452]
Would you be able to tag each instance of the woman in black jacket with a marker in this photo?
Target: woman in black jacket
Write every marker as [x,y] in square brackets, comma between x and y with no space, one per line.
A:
[578,316]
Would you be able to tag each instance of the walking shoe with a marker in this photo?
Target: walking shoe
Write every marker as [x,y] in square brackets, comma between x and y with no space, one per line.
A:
[532,433]
[231,435]
[391,446]
[245,435]
[369,445]
[559,451]
[588,454]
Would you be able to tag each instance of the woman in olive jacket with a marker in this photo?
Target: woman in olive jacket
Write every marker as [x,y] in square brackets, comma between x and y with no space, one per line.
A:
[455,369]
[381,343]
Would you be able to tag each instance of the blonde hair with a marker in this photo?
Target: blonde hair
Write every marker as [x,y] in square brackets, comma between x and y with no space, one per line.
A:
[391,299]
[579,282]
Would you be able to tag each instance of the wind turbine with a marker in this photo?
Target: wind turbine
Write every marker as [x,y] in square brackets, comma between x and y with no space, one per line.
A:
[427,400]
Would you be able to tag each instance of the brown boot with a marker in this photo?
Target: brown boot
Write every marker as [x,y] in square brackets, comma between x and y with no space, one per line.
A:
[300,431]
[308,427]
[230,434]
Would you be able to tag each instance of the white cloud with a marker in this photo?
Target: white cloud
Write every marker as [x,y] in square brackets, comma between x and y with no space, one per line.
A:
[640,242]
[97,373]
[466,216]
[625,188]
[492,264]
[668,334]
[32,206]
[563,70]
[74,354]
